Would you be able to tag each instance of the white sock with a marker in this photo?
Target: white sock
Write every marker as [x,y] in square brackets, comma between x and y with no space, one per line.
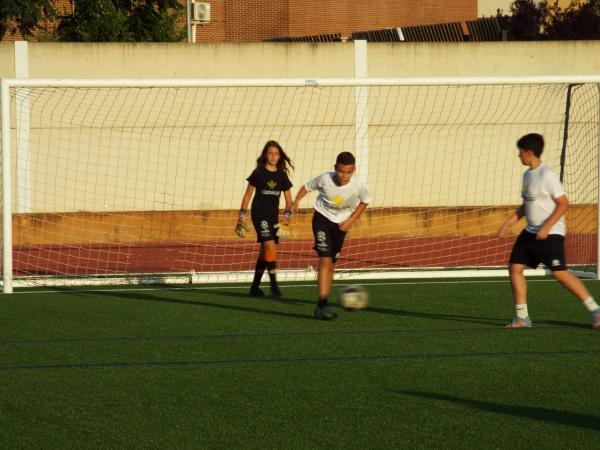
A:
[522,312]
[591,304]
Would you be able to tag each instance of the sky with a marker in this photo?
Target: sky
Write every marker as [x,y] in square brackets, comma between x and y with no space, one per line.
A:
[487,8]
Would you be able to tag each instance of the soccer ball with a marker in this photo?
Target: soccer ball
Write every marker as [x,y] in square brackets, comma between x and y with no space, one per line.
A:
[353,297]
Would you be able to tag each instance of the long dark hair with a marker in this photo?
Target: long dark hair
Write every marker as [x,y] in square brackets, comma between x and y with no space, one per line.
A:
[284,160]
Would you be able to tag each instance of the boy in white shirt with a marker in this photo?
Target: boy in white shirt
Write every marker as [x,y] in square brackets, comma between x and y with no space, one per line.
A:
[341,200]
[544,205]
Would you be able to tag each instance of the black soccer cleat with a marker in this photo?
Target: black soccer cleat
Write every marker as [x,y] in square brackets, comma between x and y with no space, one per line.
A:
[256,292]
[324,313]
[276,293]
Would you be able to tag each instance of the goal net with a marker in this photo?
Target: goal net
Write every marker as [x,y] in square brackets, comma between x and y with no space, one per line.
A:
[141,181]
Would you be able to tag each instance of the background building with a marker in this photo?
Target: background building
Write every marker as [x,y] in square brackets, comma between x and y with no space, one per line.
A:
[257,20]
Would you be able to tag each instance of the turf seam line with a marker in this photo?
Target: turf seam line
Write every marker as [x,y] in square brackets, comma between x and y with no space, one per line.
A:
[275,334]
[222,362]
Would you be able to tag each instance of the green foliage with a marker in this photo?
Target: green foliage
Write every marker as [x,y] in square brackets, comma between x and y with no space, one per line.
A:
[527,19]
[122,21]
[576,22]
[531,20]
[23,16]
[94,21]
[154,20]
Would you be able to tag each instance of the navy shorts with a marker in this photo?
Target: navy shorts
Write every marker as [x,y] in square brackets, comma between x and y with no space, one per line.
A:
[531,252]
[329,239]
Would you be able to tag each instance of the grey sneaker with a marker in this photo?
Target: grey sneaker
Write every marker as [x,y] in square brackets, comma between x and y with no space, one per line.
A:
[517,322]
[324,313]
[596,319]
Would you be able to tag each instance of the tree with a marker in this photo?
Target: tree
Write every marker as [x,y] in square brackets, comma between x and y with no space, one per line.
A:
[155,20]
[94,21]
[530,20]
[527,19]
[23,16]
[122,21]
[577,21]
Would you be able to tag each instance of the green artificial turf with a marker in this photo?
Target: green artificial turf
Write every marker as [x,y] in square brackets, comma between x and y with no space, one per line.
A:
[426,365]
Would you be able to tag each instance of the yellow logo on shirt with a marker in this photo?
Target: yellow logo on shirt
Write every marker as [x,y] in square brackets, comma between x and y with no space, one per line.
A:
[337,200]
[271,184]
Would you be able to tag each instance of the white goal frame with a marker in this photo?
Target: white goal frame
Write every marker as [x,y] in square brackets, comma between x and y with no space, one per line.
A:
[361,86]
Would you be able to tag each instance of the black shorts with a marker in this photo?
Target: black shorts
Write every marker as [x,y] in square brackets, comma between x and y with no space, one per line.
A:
[265,230]
[531,252]
[329,239]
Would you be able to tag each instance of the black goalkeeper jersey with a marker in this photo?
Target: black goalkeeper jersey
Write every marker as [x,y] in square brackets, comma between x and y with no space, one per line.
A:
[268,188]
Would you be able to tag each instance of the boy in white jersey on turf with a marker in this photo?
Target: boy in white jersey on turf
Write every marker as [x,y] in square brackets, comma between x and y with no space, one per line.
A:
[542,240]
[341,200]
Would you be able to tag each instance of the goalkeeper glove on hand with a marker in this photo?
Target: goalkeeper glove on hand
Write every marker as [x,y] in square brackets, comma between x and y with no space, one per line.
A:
[241,228]
[283,229]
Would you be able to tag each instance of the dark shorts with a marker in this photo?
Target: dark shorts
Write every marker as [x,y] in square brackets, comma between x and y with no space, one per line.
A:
[265,230]
[531,252]
[329,239]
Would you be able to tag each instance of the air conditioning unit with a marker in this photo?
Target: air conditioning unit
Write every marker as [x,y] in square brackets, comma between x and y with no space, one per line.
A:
[200,12]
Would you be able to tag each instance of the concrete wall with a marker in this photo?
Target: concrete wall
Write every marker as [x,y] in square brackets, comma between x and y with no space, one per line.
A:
[304,60]
[206,144]
[484,59]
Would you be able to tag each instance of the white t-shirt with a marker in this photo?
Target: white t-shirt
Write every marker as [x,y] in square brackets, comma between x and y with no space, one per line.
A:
[337,203]
[540,187]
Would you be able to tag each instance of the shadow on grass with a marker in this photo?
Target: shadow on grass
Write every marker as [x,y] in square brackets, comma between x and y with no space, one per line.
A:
[266,300]
[145,296]
[448,317]
[200,296]
[561,323]
[528,412]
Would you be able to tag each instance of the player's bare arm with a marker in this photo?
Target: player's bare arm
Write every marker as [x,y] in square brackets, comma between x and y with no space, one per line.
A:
[299,196]
[512,220]
[247,196]
[346,224]
[287,195]
[241,228]
[282,227]
[562,204]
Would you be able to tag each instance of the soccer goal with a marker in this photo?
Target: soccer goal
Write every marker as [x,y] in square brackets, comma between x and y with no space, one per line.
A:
[140,181]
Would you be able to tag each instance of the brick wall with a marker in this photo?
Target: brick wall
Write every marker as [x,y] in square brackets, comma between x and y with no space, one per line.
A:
[333,16]
[257,20]
[247,21]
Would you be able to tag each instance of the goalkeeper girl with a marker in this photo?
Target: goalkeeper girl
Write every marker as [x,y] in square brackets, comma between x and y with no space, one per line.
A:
[266,183]
[341,200]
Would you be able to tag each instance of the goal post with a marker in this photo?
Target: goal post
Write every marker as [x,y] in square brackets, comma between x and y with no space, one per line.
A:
[139,181]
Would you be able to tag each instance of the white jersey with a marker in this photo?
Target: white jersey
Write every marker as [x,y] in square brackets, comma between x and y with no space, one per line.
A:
[337,203]
[540,187]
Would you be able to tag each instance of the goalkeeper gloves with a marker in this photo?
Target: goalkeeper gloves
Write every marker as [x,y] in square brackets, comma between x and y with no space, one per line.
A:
[241,228]
[283,227]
